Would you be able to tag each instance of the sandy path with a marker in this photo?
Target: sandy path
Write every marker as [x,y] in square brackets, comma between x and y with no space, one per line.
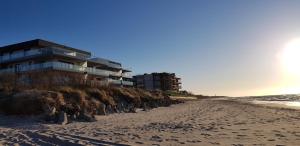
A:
[203,122]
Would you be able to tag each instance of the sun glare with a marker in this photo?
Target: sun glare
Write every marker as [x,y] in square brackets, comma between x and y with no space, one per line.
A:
[291,58]
[290,63]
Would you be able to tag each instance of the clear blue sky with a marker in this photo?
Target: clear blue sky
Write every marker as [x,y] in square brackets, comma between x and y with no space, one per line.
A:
[226,47]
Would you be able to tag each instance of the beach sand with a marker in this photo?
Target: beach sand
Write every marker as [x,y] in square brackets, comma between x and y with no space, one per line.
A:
[200,122]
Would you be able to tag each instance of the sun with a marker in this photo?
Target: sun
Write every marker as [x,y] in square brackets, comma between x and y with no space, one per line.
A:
[290,58]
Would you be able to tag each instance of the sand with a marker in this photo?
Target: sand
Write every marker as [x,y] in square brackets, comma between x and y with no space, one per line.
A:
[201,122]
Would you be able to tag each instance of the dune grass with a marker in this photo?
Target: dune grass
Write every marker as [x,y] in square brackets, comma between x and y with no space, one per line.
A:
[70,99]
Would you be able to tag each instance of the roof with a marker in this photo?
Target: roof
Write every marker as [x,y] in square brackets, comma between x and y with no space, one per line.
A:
[38,43]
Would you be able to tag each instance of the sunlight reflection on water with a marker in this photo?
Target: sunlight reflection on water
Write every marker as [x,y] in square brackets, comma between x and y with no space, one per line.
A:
[285,103]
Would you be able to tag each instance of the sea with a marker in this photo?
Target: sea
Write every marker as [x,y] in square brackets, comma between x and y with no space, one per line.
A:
[287,101]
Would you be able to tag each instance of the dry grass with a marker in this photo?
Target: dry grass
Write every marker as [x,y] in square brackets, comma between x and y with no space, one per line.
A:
[24,103]
[74,100]
[101,95]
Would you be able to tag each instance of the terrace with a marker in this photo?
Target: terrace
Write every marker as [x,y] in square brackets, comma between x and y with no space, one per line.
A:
[66,67]
[25,54]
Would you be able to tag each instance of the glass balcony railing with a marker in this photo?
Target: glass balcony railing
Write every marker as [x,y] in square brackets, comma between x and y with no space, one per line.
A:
[112,81]
[42,51]
[128,83]
[117,74]
[7,70]
[58,66]
[75,54]
[65,67]
[127,75]
[107,63]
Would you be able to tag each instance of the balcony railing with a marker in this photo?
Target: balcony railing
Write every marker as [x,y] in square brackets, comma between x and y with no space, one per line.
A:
[106,62]
[42,51]
[75,54]
[120,82]
[112,81]
[128,83]
[58,66]
[127,75]
[14,56]
[65,67]
[118,74]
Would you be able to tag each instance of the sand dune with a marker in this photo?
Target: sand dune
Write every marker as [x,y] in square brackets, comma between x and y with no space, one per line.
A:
[201,122]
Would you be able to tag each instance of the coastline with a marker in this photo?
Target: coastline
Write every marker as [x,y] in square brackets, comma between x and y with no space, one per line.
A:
[269,102]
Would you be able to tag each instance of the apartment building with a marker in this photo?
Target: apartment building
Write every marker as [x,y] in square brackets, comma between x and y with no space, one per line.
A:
[158,81]
[40,55]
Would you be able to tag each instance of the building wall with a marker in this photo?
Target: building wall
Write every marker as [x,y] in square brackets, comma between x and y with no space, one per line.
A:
[148,81]
[158,81]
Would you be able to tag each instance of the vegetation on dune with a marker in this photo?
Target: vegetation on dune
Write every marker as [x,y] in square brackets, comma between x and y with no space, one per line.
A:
[93,101]
[51,96]
[183,93]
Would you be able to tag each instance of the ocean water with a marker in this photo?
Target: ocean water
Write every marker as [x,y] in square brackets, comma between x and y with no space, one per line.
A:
[292,101]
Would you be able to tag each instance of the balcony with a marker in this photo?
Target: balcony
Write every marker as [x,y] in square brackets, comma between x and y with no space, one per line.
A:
[120,82]
[116,82]
[127,75]
[42,51]
[127,83]
[59,51]
[18,55]
[106,62]
[57,66]
[116,74]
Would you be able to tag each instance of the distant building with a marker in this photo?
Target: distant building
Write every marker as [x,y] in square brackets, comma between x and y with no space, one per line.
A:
[158,81]
[40,55]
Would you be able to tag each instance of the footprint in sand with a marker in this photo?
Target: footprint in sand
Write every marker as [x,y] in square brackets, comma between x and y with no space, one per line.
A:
[193,141]
[79,133]
[215,143]
[156,138]
[138,142]
[237,145]
[205,134]
[181,142]
[279,135]
[172,139]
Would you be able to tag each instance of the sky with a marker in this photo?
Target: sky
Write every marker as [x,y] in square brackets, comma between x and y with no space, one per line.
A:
[217,47]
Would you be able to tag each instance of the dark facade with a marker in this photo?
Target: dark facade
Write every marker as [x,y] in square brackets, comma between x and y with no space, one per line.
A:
[158,81]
